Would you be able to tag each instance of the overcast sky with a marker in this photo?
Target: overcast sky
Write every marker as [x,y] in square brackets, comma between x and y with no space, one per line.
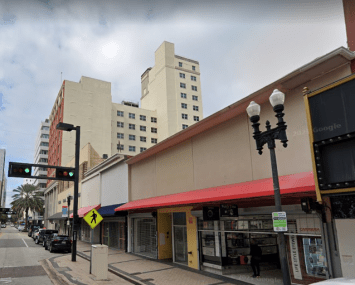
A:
[241,46]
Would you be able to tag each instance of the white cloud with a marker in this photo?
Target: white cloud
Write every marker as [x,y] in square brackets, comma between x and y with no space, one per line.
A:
[241,46]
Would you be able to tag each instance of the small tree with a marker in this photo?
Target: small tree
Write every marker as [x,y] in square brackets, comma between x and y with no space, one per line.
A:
[27,198]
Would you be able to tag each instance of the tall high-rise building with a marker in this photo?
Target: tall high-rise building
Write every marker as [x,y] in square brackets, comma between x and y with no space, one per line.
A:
[172,88]
[2,178]
[41,154]
[170,102]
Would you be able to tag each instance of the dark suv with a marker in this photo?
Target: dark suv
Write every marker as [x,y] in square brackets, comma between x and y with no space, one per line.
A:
[43,234]
[58,242]
[32,228]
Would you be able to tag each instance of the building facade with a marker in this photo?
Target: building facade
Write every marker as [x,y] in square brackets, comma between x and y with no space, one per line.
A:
[171,101]
[171,183]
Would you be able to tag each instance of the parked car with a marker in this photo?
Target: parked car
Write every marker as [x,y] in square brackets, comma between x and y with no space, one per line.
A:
[3,225]
[32,228]
[42,235]
[21,228]
[36,233]
[336,281]
[58,242]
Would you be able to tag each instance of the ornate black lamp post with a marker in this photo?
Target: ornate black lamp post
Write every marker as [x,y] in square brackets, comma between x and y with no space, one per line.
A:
[269,136]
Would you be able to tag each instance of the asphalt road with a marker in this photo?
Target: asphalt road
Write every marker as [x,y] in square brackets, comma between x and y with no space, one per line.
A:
[19,259]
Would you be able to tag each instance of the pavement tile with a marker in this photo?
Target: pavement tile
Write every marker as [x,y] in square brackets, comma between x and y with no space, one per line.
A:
[142,265]
[178,276]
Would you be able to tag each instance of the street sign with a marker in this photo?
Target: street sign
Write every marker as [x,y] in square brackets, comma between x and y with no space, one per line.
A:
[64,211]
[93,218]
[279,221]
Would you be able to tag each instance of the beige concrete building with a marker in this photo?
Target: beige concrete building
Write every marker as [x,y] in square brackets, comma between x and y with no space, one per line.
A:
[171,101]
[172,88]
[215,163]
[57,192]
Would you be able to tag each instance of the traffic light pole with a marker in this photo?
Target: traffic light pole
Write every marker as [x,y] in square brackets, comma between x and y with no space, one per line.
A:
[76,193]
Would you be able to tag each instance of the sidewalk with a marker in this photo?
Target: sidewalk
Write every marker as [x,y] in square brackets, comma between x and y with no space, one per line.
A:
[126,268]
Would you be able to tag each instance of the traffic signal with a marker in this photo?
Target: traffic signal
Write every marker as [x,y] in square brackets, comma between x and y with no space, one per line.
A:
[20,170]
[65,173]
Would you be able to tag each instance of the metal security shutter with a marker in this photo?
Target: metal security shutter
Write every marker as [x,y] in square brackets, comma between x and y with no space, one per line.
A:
[145,237]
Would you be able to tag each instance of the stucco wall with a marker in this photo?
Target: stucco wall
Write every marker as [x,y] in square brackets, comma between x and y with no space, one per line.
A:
[226,154]
[114,185]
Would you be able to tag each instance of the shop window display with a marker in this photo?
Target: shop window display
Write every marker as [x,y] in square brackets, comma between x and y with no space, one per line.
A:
[314,257]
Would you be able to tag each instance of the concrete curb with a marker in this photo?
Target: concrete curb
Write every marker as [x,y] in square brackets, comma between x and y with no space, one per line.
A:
[56,277]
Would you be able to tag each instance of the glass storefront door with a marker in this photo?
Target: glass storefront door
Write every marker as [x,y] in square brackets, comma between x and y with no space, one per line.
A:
[180,238]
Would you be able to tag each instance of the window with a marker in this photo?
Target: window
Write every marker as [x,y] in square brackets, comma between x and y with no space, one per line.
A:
[42,169]
[194,97]
[120,113]
[120,136]
[132,148]
[42,185]
[45,128]
[44,136]
[183,105]
[132,137]
[153,120]
[182,75]
[132,126]
[196,118]
[43,152]
[120,124]
[193,78]
[120,147]
[184,127]
[184,116]
[43,160]
[182,85]
[143,128]
[180,64]
[131,115]
[143,139]
[44,144]
[195,108]
[154,140]
[193,67]
[154,130]
[143,149]
[142,118]
[194,88]
[183,95]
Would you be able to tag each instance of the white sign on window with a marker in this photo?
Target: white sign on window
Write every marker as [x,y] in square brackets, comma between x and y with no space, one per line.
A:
[295,258]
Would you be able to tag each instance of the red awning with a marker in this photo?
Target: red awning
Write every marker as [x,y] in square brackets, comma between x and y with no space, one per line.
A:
[83,211]
[291,185]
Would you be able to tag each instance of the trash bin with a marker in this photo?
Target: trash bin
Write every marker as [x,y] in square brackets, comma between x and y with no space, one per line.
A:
[99,261]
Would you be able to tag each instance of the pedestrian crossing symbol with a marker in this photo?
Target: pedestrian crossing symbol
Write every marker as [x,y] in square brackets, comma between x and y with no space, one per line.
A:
[93,218]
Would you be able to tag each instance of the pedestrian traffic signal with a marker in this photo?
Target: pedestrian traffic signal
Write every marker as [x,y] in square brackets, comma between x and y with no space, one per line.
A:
[20,170]
[65,173]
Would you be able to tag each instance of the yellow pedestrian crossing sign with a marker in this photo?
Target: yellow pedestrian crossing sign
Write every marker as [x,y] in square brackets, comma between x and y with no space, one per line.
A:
[93,218]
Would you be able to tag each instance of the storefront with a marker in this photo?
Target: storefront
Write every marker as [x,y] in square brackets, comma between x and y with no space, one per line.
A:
[143,229]
[113,227]
[225,244]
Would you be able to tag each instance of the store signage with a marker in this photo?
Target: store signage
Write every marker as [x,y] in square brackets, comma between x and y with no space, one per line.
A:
[210,213]
[331,123]
[308,226]
[64,211]
[229,210]
[297,274]
[279,221]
